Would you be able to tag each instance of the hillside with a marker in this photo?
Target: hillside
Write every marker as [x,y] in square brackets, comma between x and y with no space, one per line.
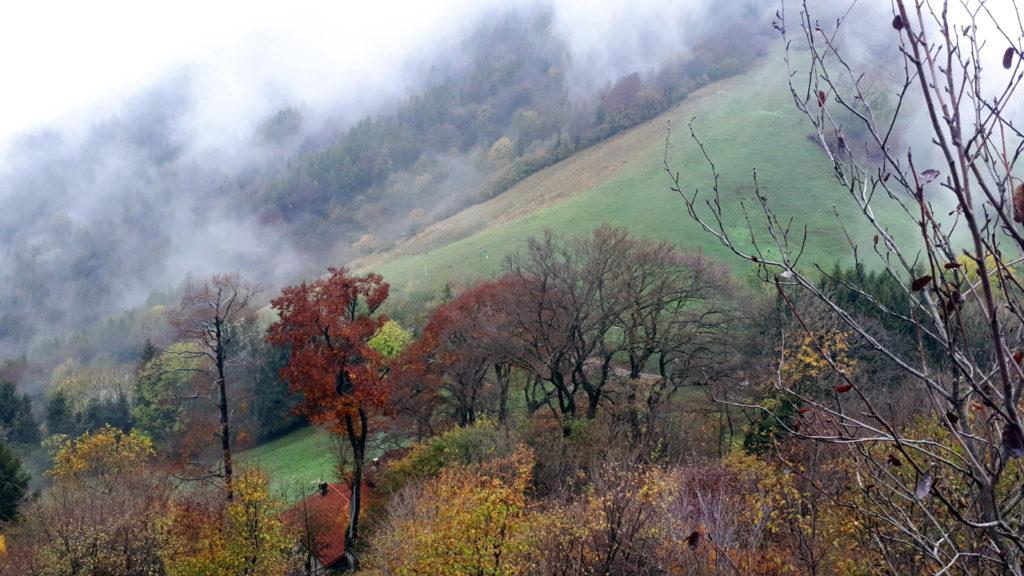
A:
[621,181]
[746,122]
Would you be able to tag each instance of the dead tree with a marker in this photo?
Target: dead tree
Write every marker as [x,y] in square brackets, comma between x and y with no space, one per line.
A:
[212,318]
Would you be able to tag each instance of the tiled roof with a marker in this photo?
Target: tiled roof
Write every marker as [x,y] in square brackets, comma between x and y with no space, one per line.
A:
[323,520]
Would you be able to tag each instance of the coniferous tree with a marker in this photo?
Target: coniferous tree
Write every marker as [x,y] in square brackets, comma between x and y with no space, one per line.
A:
[13,483]
[60,418]
[16,418]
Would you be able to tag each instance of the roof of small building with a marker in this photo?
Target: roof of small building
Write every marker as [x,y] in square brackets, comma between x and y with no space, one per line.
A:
[321,520]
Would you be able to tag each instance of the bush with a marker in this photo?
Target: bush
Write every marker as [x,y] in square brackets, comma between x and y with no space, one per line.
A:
[476,444]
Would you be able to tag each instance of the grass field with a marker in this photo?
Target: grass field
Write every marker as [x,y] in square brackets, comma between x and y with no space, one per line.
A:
[298,461]
[746,123]
[295,462]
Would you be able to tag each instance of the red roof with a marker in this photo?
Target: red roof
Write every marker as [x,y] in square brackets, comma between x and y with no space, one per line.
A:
[321,522]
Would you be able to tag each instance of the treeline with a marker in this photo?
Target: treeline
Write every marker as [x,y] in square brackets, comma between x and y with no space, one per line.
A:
[547,340]
[484,124]
[594,410]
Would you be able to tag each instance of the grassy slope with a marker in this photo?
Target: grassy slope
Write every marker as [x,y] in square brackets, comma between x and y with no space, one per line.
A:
[295,462]
[745,122]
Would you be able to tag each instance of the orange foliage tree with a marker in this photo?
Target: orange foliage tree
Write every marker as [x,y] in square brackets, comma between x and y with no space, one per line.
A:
[468,339]
[327,325]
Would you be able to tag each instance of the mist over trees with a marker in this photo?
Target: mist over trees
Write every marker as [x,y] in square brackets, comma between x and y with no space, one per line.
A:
[204,373]
[119,214]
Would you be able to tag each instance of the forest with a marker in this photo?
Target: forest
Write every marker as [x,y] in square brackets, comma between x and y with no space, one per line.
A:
[591,404]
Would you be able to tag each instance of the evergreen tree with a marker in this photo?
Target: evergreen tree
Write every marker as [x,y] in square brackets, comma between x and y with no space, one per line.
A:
[16,418]
[274,402]
[156,410]
[60,418]
[13,483]
[113,412]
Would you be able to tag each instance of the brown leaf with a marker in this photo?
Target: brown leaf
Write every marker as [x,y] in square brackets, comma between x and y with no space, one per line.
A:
[951,305]
[821,97]
[919,284]
[1018,203]
[1018,356]
[953,299]
[843,388]
[978,406]
[876,239]
[951,265]
[1008,58]
[1013,441]
[897,22]
[804,409]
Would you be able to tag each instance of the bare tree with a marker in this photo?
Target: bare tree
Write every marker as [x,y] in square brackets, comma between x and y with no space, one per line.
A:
[565,299]
[212,318]
[932,500]
[677,312]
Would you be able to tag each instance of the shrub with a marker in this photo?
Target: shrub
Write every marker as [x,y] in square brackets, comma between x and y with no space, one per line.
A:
[476,444]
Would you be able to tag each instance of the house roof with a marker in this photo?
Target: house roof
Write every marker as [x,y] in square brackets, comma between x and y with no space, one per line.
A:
[321,522]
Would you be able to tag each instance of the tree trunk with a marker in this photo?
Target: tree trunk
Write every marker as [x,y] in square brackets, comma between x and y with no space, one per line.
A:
[592,402]
[357,440]
[634,415]
[566,402]
[594,392]
[225,425]
[530,395]
[502,372]
[225,441]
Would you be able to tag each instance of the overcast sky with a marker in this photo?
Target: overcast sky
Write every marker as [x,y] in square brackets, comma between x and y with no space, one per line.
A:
[66,63]
[63,61]
[60,59]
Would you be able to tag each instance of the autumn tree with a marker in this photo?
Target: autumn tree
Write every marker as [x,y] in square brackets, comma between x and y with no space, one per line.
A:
[245,537]
[566,302]
[622,524]
[415,389]
[467,340]
[212,317]
[102,514]
[676,313]
[468,520]
[391,340]
[939,494]
[327,324]
[574,305]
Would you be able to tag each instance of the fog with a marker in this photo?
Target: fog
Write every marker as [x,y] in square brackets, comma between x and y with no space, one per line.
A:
[129,126]
[128,131]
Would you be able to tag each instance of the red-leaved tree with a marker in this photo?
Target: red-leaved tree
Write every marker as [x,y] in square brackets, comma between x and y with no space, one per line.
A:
[327,325]
[468,339]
